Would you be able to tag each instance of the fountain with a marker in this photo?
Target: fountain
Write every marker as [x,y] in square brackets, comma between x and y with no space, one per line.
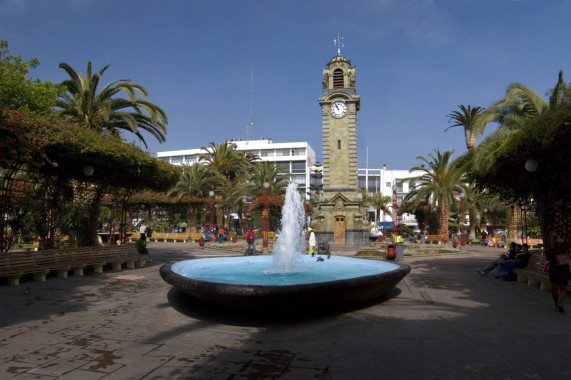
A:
[286,279]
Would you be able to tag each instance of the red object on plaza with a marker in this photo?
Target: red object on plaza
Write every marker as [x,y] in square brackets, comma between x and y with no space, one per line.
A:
[391,252]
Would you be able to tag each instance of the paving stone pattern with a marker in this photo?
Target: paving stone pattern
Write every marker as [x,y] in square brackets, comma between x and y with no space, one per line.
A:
[444,321]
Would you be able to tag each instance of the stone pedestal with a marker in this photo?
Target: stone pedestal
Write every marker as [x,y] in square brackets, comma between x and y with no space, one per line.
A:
[339,220]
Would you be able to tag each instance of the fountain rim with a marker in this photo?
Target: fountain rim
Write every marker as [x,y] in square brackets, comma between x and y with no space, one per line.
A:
[224,288]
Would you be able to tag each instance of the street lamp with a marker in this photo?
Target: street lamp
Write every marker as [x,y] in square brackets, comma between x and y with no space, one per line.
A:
[211,193]
[394,212]
[88,170]
[462,218]
[244,223]
[531,165]
[266,214]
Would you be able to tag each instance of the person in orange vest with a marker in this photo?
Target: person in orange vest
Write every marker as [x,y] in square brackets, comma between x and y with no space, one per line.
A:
[251,240]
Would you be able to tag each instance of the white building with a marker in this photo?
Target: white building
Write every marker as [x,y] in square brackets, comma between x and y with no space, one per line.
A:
[383,180]
[295,158]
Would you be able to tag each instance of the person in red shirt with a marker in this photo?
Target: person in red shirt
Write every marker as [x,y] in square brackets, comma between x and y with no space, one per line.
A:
[251,240]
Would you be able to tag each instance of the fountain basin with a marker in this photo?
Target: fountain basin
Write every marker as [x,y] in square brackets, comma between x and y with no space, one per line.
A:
[244,282]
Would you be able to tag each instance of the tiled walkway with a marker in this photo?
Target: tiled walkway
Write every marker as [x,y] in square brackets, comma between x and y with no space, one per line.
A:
[443,321]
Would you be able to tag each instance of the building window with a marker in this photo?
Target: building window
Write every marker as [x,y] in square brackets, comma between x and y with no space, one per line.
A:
[298,167]
[299,179]
[284,166]
[388,184]
[176,160]
[267,153]
[282,152]
[298,152]
[338,144]
[338,78]
[190,159]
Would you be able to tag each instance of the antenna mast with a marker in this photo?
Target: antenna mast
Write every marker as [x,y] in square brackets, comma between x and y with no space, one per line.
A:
[251,125]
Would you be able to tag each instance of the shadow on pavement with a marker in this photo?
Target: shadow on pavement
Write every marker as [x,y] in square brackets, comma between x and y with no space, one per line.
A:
[198,309]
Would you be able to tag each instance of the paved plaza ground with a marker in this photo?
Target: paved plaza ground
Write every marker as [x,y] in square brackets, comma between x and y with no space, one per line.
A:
[443,321]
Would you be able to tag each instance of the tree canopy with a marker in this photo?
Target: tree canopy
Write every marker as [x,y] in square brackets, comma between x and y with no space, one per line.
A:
[18,91]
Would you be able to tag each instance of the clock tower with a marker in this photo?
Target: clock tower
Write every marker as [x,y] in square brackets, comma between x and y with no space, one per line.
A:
[339,216]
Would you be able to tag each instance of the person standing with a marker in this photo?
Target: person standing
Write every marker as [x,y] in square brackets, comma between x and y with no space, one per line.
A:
[148,232]
[311,241]
[558,274]
[251,240]
[142,231]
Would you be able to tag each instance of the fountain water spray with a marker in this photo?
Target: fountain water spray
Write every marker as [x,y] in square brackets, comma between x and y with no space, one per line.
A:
[290,244]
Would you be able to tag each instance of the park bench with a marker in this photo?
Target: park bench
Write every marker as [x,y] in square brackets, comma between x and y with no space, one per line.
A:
[534,242]
[269,235]
[533,272]
[40,264]
[195,236]
[434,239]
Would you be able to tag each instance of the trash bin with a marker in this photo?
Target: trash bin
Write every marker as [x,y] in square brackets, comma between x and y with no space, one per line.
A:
[390,252]
[399,251]
[422,239]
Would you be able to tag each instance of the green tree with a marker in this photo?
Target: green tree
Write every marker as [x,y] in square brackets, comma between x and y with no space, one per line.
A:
[265,171]
[471,120]
[380,203]
[437,186]
[17,90]
[227,160]
[233,167]
[105,110]
[195,182]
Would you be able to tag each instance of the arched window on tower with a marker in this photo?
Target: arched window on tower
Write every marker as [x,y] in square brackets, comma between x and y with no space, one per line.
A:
[338,78]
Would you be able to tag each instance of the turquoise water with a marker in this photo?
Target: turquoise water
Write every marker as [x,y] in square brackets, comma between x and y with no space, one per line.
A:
[259,270]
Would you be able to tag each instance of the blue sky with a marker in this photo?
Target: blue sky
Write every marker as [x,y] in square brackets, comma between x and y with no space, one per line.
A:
[416,60]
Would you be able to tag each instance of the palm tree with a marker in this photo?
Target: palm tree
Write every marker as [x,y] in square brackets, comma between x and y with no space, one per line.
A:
[194,185]
[437,186]
[232,166]
[226,160]
[265,171]
[471,120]
[380,202]
[103,110]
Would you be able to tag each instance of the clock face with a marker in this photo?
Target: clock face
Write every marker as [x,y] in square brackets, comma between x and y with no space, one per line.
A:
[338,109]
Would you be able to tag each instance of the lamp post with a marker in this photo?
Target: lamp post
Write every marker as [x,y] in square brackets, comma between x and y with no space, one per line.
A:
[523,224]
[266,214]
[211,193]
[244,223]
[462,217]
[394,212]
[203,219]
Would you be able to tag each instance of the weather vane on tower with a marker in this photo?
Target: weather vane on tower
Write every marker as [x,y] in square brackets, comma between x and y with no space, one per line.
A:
[338,43]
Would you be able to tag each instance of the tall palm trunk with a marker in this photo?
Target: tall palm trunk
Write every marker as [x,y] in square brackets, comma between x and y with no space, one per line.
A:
[191,218]
[443,215]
